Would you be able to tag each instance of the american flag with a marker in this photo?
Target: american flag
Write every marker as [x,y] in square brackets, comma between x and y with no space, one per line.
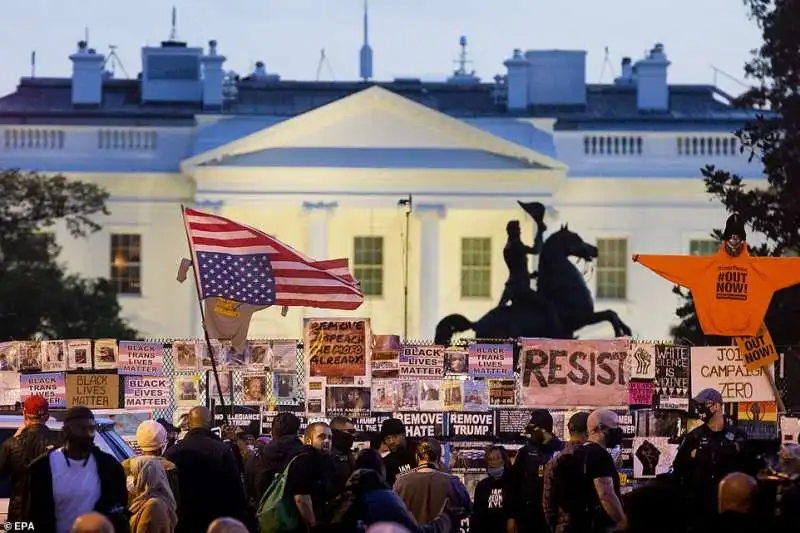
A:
[245,265]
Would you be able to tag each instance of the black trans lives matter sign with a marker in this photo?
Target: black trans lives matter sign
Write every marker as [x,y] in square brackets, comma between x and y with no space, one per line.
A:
[672,377]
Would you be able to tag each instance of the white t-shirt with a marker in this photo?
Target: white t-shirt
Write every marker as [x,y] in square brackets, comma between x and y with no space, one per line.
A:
[76,488]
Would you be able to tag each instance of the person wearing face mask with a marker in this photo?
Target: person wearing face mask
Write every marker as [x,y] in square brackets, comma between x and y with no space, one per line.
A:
[527,472]
[707,454]
[76,479]
[595,504]
[491,506]
[344,436]
[153,440]
[393,449]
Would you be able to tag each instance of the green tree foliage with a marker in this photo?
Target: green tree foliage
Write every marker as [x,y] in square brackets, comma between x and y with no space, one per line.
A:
[773,138]
[37,295]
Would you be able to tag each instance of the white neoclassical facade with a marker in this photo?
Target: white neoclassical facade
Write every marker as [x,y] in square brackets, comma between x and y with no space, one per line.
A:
[323,166]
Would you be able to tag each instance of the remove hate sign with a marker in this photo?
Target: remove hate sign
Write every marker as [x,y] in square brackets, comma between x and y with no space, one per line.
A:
[420,425]
[723,368]
[95,391]
[569,373]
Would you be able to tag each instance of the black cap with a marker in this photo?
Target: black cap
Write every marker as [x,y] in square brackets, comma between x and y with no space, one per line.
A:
[79,412]
[542,419]
[392,426]
[285,423]
[734,226]
[578,422]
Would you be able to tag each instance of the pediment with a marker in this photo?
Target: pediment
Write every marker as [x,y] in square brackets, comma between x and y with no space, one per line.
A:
[373,119]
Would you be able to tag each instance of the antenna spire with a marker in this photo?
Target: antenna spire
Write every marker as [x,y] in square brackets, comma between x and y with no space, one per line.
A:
[365,64]
[173,33]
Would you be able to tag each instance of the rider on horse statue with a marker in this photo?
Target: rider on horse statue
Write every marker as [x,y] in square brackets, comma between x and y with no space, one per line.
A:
[518,289]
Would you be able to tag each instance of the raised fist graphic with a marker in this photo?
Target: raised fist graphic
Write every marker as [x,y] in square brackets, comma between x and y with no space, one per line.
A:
[643,361]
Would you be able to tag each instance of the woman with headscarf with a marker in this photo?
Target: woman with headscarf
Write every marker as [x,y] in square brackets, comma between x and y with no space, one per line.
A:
[152,502]
[367,500]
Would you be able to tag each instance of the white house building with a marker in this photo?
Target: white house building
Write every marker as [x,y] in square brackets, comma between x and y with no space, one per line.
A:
[323,165]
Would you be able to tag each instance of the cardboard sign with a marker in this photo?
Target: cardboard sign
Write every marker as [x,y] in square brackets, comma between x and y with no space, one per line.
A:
[759,350]
[722,368]
[95,391]
[568,373]
[336,347]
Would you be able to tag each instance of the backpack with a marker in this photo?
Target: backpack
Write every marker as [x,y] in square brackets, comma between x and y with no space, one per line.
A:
[277,512]
[569,486]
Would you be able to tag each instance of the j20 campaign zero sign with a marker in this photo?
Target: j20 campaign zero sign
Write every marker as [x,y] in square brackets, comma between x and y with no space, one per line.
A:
[569,373]
[723,368]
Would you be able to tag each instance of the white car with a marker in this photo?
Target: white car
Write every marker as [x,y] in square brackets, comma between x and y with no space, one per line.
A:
[105,438]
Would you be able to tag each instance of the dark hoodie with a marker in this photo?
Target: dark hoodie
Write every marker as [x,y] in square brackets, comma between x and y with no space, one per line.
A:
[527,478]
[274,457]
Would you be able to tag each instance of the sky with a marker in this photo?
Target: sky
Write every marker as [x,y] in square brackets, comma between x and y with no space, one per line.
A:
[410,38]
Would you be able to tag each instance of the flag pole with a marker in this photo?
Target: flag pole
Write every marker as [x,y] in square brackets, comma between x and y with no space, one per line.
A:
[408,203]
[203,321]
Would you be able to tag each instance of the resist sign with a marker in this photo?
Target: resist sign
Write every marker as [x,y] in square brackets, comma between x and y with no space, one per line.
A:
[723,368]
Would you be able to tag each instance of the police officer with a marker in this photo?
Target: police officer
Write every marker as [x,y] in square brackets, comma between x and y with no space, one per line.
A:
[707,454]
[527,472]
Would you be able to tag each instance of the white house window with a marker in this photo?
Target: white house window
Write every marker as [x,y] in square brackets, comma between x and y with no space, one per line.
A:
[612,270]
[126,263]
[476,267]
[368,264]
[703,247]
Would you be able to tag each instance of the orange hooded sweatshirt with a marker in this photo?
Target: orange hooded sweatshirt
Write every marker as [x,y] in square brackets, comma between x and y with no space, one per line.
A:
[731,294]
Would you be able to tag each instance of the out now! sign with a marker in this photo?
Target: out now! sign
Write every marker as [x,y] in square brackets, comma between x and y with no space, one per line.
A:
[759,350]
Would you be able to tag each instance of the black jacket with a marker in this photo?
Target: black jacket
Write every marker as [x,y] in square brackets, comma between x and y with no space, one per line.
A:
[274,457]
[16,455]
[211,486]
[527,479]
[113,500]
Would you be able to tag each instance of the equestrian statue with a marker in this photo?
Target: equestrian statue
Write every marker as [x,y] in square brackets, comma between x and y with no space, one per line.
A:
[559,306]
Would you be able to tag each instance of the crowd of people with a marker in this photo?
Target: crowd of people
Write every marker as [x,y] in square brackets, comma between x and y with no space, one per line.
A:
[61,482]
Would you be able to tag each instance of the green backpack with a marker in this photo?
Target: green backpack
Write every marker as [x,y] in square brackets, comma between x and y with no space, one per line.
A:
[277,512]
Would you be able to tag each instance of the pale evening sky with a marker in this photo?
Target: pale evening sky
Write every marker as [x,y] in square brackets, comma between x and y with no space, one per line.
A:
[409,37]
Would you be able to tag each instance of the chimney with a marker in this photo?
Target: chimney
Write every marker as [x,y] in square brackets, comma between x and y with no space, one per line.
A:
[517,81]
[626,76]
[87,76]
[213,77]
[652,92]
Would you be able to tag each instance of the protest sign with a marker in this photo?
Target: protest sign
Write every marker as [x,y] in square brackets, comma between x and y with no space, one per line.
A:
[385,356]
[491,360]
[347,401]
[567,373]
[476,396]
[422,362]
[643,360]
[422,424]
[672,377]
[759,420]
[370,424]
[470,424]
[141,358]
[512,422]
[653,456]
[502,392]
[95,391]
[50,385]
[246,417]
[145,393]
[759,350]
[640,393]
[336,347]
[722,368]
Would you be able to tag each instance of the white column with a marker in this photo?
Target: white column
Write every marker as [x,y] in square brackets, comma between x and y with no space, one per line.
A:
[215,208]
[318,218]
[429,267]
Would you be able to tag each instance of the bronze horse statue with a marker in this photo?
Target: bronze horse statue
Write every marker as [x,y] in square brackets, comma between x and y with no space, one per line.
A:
[560,283]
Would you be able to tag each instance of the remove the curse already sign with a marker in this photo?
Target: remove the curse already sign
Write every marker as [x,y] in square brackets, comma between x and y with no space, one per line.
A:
[336,347]
[95,391]
[568,373]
